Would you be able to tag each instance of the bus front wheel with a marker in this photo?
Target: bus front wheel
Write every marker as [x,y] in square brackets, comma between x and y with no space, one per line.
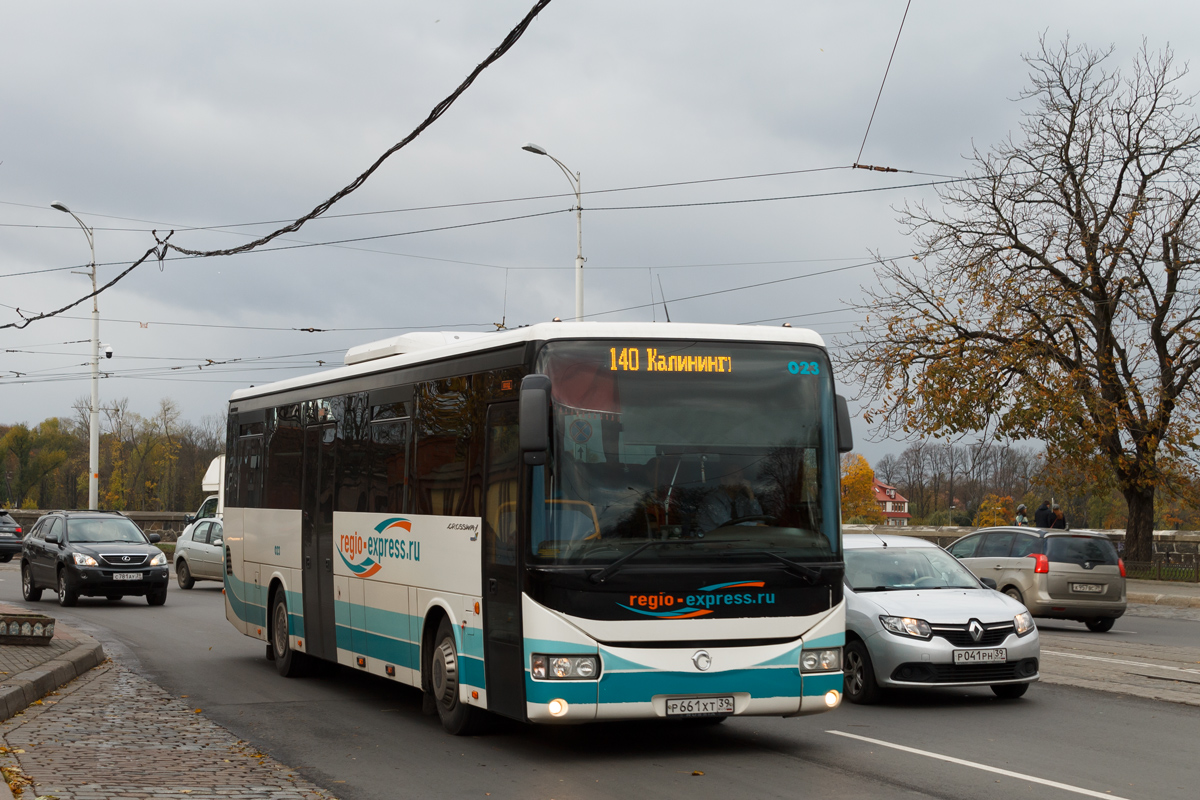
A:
[288,662]
[457,717]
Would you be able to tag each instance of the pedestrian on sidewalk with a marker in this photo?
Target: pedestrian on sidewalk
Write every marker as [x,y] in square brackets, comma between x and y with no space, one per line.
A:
[1022,519]
[1059,519]
[1043,516]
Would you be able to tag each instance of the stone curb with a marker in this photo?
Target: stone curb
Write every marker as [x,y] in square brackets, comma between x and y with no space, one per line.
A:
[1177,600]
[20,691]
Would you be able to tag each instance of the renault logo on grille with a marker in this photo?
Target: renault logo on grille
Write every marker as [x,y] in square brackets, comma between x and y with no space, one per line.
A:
[702,660]
[976,630]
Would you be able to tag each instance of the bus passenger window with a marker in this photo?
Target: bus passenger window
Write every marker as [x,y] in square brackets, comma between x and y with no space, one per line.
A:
[285,452]
[250,472]
[389,466]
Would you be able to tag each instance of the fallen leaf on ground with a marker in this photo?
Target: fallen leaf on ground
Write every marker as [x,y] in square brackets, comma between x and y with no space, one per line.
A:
[697,772]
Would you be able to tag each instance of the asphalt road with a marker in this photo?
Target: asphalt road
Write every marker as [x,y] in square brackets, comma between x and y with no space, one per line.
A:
[363,737]
[1133,628]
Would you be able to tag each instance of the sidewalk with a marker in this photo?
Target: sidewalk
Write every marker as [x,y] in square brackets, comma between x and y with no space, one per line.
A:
[1163,593]
[112,734]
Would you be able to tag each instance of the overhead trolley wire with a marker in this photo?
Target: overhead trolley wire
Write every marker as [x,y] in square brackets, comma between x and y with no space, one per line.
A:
[163,245]
[882,84]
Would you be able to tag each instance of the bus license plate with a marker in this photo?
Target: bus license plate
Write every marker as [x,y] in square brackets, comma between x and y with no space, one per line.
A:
[997,655]
[699,706]
[127,576]
[1091,588]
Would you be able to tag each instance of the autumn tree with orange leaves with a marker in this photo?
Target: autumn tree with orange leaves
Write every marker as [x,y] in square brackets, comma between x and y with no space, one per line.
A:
[858,490]
[1056,291]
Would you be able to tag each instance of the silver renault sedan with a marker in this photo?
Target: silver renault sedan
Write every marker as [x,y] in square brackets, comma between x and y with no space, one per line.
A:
[917,618]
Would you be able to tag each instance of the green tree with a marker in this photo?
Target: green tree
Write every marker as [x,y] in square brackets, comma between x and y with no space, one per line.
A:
[32,454]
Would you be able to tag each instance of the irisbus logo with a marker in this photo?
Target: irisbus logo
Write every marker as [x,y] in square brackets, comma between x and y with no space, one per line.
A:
[364,557]
[666,605]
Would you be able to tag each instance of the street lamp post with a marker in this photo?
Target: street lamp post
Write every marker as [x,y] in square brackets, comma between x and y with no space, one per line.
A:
[577,187]
[94,421]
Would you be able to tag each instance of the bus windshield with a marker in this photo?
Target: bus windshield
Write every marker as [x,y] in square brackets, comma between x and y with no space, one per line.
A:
[710,450]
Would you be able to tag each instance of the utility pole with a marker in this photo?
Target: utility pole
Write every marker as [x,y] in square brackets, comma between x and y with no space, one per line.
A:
[94,425]
[577,187]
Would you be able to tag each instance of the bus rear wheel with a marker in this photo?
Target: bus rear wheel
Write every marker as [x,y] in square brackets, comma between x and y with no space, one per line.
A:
[288,662]
[457,717]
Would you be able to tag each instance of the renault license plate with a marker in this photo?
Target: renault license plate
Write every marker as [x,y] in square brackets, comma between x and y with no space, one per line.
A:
[994,655]
[699,706]
[127,576]
[1090,588]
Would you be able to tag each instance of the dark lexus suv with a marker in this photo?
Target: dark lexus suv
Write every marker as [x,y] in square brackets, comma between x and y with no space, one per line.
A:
[92,553]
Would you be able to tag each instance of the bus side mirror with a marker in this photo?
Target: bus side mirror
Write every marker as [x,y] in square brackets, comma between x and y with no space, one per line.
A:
[844,434]
[534,417]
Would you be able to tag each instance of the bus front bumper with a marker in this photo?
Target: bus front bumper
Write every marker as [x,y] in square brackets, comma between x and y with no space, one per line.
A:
[665,683]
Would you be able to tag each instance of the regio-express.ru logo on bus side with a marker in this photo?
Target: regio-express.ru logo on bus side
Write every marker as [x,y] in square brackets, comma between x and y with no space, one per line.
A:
[364,557]
[665,605]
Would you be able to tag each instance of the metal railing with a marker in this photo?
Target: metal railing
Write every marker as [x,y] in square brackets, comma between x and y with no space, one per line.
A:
[1162,570]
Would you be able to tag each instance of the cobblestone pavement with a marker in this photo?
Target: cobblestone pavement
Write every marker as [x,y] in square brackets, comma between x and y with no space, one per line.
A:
[15,659]
[113,734]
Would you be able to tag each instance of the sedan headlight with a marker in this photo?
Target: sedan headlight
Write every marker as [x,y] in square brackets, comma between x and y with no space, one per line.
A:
[1023,623]
[564,668]
[821,660]
[159,560]
[907,626]
[82,560]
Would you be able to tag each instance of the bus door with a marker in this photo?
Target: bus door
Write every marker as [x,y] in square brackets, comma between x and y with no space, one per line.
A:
[503,644]
[317,541]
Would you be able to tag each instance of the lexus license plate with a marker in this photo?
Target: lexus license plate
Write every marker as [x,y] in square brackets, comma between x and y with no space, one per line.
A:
[1090,588]
[127,576]
[994,655]
[699,706]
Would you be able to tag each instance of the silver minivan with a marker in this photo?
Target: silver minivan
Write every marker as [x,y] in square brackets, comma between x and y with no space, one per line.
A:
[1057,574]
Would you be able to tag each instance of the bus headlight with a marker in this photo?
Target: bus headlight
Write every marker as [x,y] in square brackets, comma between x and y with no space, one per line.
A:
[563,668]
[827,660]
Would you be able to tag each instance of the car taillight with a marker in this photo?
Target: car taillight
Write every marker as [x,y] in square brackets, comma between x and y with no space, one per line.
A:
[19,530]
[1121,565]
[1041,563]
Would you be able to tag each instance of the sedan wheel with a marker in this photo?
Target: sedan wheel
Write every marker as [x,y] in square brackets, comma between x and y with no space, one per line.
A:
[184,575]
[860,686]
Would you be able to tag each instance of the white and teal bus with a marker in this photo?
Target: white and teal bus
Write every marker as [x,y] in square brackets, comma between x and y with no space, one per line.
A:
[561,523]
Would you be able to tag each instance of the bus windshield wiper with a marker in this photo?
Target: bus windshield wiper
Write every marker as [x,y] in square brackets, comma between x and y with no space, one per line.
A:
[599,575]
[811,574]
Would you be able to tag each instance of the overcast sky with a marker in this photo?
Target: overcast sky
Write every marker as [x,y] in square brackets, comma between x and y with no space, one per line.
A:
[139,115]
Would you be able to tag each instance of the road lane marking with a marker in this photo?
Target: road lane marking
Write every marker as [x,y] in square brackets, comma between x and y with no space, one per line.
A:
[1119,661]
[975,765]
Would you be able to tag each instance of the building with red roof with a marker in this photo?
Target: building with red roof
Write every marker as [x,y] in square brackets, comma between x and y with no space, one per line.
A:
[893,505]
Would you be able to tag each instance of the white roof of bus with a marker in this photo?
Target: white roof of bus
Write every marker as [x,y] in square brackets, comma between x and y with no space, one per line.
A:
[421,347]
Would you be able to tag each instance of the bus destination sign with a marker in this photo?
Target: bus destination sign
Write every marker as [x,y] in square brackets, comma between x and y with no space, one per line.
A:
[630,359]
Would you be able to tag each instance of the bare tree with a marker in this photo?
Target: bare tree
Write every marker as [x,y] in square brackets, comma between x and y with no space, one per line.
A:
[1056,292]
